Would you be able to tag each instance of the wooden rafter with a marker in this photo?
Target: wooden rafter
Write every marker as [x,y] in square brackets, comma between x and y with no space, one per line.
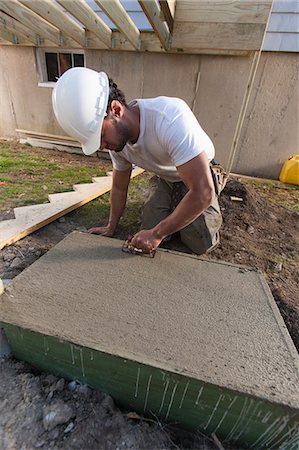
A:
[167,10]
[118,15]
[152,12]
[21,31]
[89,19]
[56,17]
[28,18]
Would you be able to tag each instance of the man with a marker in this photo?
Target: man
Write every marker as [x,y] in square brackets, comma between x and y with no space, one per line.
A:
[160,135]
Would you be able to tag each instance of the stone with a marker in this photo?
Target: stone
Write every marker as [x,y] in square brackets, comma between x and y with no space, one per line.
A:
[56,414]
[17,263]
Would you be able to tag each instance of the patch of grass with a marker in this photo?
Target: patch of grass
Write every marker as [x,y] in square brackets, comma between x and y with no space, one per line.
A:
[28,175]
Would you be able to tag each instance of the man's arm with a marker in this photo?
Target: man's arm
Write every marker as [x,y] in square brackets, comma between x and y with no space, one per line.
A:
[196,175]
[118,198]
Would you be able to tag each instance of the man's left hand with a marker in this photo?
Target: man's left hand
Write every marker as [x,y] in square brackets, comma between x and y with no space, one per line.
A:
[146,240]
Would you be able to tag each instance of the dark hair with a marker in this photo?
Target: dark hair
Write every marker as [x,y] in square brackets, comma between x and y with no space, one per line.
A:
[115,94]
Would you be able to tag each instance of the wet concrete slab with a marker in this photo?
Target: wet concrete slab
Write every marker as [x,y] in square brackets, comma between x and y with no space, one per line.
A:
[208,320]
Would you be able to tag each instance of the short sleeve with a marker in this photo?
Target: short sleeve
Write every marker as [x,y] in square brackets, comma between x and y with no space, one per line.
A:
[184,138]
[119,162]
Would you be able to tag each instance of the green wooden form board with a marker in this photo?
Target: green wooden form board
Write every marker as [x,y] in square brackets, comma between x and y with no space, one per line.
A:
[241,420]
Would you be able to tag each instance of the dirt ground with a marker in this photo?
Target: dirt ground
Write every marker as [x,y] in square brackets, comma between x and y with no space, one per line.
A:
[256,232]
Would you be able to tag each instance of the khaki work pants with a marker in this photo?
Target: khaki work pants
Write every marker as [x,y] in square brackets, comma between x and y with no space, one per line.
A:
[200,236]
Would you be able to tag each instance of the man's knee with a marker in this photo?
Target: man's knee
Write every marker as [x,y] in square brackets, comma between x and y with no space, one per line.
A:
[202,235]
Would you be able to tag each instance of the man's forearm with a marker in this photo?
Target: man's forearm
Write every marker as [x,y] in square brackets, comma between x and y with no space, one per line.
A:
[118,200]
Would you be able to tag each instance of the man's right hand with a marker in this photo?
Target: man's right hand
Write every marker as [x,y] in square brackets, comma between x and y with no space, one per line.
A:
[103,231]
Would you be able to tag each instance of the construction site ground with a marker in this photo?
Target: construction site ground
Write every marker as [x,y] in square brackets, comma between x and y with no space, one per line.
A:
[259,229]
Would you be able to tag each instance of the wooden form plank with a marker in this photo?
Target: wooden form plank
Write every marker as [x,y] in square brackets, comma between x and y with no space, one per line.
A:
[223,11]
[152,390]
[168,10]
[89,19]
[152,12]
[45,135]
[28,222]
[21,31]
[118,15]
[52,14]
[32,21]
[230,36]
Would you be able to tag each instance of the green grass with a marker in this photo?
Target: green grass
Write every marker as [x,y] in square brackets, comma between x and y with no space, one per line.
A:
[28,175]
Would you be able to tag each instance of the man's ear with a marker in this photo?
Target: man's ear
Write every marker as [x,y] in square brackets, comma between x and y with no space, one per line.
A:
[117,108]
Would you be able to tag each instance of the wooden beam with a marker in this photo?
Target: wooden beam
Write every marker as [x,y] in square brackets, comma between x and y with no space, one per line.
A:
[52,14]
[118,15]
[152,12]
[89,19]
[24,34]
[28,18]
[151,43]
[229,36]
[168,10]
[228,11]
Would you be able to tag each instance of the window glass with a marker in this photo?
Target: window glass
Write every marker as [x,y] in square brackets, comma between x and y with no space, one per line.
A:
[65,62]
[52,66]
[78,60]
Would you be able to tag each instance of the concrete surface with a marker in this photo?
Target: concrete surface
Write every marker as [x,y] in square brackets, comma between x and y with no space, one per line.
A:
[215,322]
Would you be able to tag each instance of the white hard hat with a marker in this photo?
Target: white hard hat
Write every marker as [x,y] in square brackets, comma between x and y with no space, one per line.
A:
[80,99]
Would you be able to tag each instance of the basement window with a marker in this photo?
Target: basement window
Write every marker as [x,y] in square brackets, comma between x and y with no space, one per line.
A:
[52,64]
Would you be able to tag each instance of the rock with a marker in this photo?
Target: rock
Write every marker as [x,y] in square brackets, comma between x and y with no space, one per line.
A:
[40,444]
[250,229]
[60,385]
[61,219]
[108,404]
[84,391]
[17,263]
[45,188]
[8,257]
[56,414]
[278,267]
[49,379]
[73,385]
[69,427]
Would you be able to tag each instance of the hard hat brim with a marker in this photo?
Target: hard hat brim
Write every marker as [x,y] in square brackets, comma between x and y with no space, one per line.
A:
[94,142]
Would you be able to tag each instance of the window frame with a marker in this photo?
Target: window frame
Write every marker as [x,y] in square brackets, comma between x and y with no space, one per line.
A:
[42,67]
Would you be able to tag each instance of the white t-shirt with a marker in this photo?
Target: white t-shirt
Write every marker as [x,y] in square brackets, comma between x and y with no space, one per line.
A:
[169,136]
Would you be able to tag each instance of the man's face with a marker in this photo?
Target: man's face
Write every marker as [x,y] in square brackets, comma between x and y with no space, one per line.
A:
[115,134]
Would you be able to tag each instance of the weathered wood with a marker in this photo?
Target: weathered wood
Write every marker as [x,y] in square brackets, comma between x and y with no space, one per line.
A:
[168,10]
[230,11]
[12,36]
[230,36]
[89,19]
[45,135]
[118,15]
[28,18]
[24,33]
[152,12]
[56,17]
[151,43]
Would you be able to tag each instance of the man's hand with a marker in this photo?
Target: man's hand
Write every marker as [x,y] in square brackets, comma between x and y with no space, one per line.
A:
[146,240]
[103,231]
